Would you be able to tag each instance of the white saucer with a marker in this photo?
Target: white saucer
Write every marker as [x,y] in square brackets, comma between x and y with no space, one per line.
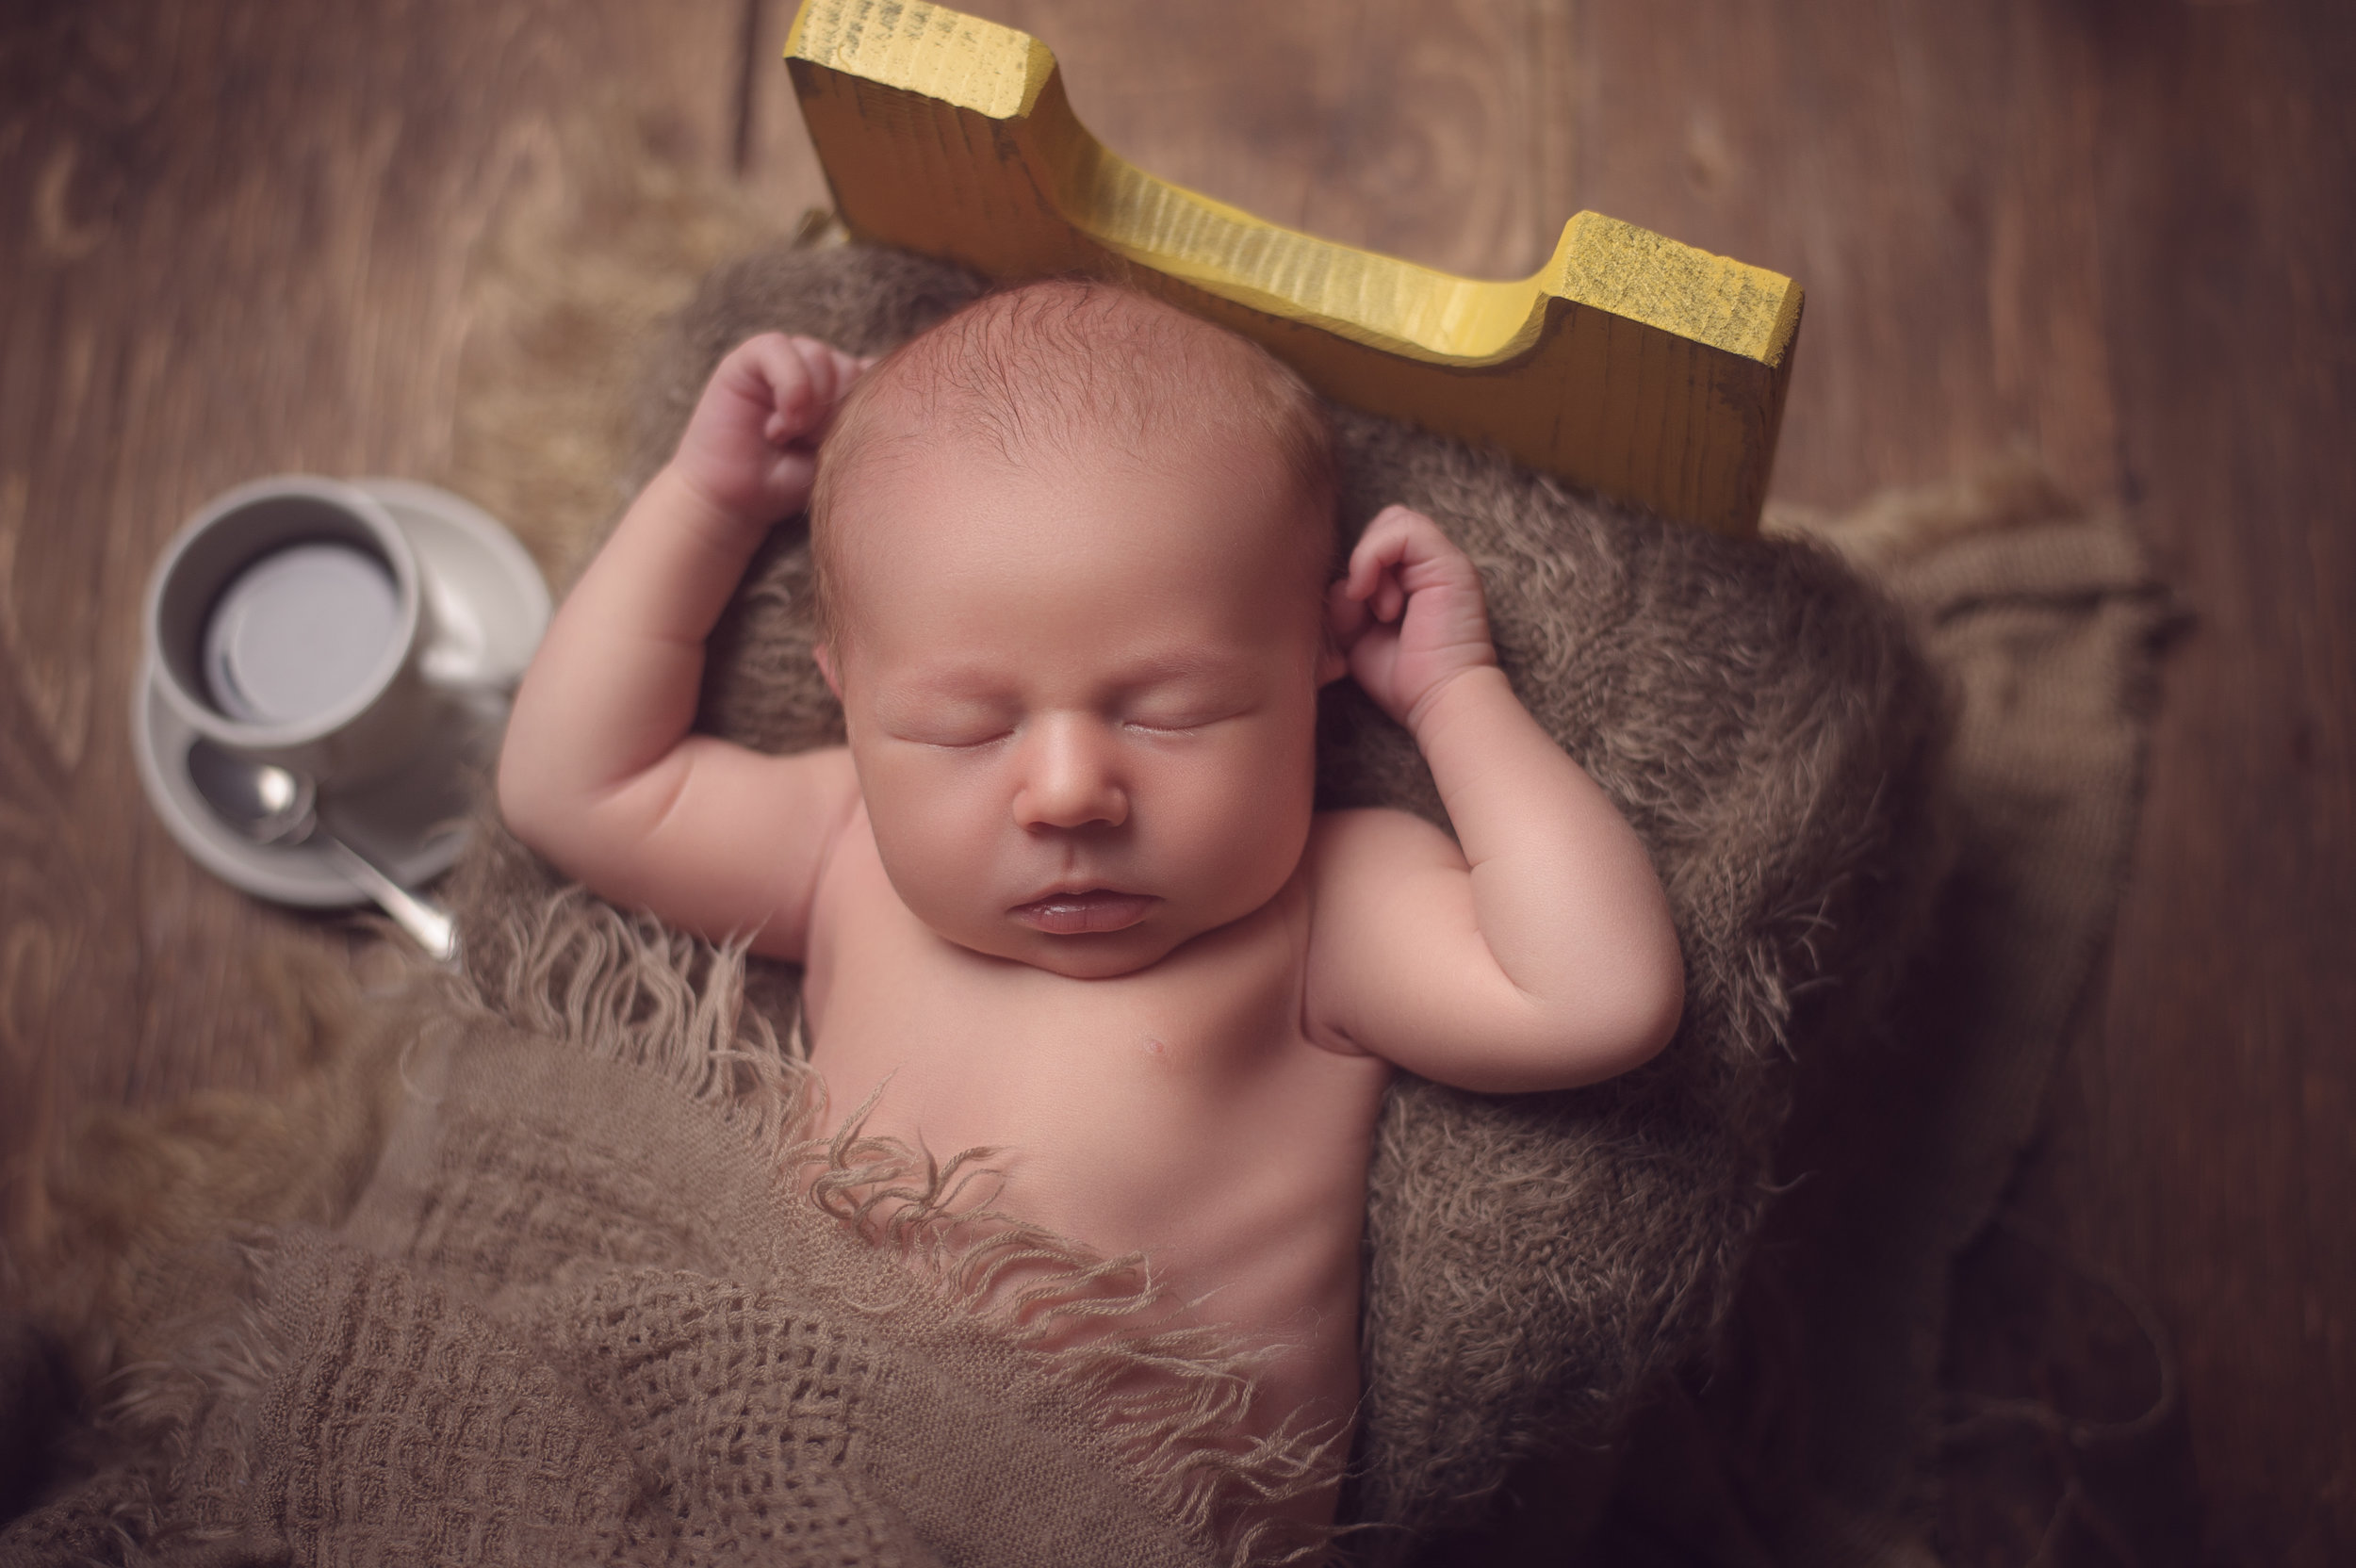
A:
[489,607]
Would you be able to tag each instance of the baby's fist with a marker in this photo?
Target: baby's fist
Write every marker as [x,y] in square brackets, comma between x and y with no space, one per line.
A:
[1409,614]
[751,447]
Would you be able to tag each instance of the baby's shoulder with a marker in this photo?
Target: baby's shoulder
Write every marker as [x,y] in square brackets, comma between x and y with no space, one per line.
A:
[1373,877]
[1364,841]
[1371,873]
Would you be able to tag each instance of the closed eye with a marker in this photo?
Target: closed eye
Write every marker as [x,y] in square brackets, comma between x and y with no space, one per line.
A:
[1180,722]
[951,731]
[957,739]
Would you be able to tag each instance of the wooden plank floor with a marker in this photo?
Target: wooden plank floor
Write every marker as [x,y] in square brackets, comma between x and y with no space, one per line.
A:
[233,236]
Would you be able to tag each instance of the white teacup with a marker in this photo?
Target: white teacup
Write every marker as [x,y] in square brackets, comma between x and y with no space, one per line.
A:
[286,622]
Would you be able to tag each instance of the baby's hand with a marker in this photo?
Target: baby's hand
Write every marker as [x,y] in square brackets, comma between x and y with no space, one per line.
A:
[1410,614]
[751,447]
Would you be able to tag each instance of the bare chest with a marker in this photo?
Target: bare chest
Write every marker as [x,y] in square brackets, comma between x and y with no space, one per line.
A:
[1119,1105]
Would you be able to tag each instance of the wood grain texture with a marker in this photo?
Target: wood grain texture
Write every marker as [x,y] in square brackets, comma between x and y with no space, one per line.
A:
[1928,168]
[2210,1155]
[232,238]
[1628,363]
[235,241]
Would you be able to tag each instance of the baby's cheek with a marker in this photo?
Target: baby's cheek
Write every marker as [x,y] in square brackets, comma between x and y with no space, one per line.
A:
[921,850]
[1252,853]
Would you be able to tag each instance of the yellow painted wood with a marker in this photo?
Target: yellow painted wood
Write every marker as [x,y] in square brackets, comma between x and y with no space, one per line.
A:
[1629,363]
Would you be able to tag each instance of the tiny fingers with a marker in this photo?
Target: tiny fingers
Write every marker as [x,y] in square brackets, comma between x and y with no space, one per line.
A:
[1345,614]
[1379,547]
[832,371]
[804,378]
[1399,533]
[1400,544]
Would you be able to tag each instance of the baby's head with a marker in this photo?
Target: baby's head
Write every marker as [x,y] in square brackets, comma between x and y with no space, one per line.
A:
[1066,372]
[1072,547]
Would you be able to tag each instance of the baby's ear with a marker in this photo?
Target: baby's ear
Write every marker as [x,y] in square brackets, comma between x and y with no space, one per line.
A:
[824,653]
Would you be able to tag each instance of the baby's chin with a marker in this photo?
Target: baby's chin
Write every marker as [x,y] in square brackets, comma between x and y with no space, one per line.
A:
[1106,956]
[1092,955]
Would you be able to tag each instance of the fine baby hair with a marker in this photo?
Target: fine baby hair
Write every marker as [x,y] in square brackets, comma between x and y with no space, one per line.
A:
[1036,372]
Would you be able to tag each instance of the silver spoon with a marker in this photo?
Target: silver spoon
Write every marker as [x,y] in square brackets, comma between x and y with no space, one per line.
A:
[270,805]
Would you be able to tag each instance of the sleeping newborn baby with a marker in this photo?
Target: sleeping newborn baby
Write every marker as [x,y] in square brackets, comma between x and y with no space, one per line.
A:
[1064,893]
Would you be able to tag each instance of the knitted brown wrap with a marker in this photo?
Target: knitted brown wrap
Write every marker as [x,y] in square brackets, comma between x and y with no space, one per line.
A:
[604,1295]
[1756,713]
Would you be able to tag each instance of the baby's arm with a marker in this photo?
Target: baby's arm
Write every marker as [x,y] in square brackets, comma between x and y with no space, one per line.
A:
[598,772]
[1533,951]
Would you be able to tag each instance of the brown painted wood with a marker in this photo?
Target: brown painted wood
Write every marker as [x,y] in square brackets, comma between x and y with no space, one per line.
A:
[232,238]
[234,243]
[2207,1152]
[1925,171]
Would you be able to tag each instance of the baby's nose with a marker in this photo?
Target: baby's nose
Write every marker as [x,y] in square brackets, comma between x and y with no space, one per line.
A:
[1070,777]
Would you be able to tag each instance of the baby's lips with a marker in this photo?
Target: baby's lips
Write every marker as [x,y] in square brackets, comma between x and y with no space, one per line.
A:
[1091,913]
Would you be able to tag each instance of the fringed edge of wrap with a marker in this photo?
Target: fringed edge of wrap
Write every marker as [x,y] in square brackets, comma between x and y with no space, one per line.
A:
[1168,1398]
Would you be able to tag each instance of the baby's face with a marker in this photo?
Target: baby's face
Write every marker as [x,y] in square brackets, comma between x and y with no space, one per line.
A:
[1082,696]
